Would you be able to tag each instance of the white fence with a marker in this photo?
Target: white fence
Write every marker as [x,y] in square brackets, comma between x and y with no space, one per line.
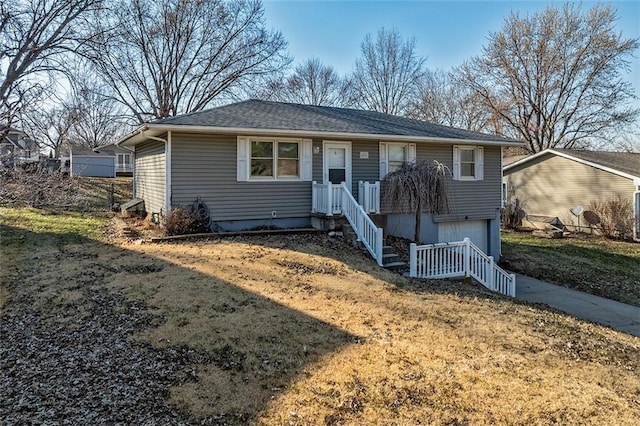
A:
[459,259]
[369,196]
[326,198]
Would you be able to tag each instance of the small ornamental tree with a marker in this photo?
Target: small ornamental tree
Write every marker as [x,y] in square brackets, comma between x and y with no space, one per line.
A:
[417,188]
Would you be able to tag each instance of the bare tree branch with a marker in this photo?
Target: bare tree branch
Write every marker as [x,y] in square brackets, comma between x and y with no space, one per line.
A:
[388,72]
[170,57]
[312,83]
[555,78]
[35,35]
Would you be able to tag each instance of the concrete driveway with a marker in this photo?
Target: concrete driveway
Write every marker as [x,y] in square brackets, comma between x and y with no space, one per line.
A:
[619,316]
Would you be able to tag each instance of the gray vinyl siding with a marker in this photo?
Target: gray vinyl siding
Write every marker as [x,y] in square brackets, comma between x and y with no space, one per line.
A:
[93,166]
[469,199]
[365,169]
[149,180]
[551,185]
[205,166]
[480,199]
[317,161]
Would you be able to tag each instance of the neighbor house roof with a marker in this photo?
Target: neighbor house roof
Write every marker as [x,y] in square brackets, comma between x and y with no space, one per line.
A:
[18,138]
[285,119]
[88,152]
[621,163]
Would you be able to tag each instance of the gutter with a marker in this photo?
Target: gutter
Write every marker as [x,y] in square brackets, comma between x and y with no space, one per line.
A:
[161,128]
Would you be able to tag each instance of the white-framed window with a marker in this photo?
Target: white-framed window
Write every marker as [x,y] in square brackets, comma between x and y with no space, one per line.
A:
[273,159]
[468,162]
[393,155]
[124,160]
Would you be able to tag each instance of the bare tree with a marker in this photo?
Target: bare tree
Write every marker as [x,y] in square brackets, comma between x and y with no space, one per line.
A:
[554,79]
[51,127]
[35,36]
[440,100]
[168,57]
[312,83]
[388,72]
[99,119]
[417,188]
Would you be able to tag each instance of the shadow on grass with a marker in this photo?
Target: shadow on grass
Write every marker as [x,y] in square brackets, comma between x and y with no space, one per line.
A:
[246,347]
[337,248]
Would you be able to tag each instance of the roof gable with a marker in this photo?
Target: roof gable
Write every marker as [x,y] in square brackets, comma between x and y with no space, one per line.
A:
[312,119]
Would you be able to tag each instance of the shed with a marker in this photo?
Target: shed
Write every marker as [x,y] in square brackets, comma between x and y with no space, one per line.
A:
[93,162]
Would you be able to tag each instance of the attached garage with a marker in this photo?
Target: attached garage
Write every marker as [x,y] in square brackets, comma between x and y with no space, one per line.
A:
[475,230]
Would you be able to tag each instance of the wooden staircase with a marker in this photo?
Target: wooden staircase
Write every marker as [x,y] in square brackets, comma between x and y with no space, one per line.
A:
[390,259]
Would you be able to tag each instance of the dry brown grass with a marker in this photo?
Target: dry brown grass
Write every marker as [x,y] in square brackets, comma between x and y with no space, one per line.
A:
[302,330]
[309,339]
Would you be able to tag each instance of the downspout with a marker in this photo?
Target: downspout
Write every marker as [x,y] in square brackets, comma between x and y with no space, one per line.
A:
[502,198]
[167,160]
[636,211]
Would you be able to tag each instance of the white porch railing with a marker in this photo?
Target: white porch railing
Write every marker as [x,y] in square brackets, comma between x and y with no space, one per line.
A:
[369,196]
[459,259]
[366,230]
[124,168]
[326,198]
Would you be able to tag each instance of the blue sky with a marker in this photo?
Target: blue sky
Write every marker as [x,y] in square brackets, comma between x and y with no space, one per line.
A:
[447,32]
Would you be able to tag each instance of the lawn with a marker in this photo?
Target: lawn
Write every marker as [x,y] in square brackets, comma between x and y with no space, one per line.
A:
[595,265]
[276,330]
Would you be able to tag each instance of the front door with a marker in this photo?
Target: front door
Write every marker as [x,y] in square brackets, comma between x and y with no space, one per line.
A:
[337,163]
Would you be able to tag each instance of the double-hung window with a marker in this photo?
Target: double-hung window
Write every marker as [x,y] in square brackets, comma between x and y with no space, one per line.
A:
[394,155]
[261,159]
[468,162]
[275,159]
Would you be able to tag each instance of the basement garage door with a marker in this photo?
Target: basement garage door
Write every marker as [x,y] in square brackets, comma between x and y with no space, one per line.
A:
[475,230]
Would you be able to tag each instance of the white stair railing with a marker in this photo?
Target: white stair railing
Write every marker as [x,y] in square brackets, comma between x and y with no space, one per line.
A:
[369,196]
[366,230]
[458,259]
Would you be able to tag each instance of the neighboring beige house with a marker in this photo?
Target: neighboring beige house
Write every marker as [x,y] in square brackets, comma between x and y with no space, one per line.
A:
[552,182]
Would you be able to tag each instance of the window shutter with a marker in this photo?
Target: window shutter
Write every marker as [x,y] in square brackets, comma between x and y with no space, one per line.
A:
[384,162]
[243,158]
[411,154]
[456,163]
[307,160]
[480,163]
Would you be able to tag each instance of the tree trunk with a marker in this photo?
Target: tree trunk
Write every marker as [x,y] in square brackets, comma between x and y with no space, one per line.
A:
[418,227]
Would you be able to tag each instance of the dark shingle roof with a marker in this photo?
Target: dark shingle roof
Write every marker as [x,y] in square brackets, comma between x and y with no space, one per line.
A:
[622,161]
[93,152]
[256,114]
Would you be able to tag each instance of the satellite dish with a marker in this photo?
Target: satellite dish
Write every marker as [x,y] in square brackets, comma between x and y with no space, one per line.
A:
[577,210]
[591,218]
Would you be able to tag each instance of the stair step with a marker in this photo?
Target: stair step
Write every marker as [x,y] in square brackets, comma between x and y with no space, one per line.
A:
[387,249]
[393,265]
[390,257]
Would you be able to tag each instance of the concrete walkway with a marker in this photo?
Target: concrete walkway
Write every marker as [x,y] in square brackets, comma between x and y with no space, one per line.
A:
[619,316]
